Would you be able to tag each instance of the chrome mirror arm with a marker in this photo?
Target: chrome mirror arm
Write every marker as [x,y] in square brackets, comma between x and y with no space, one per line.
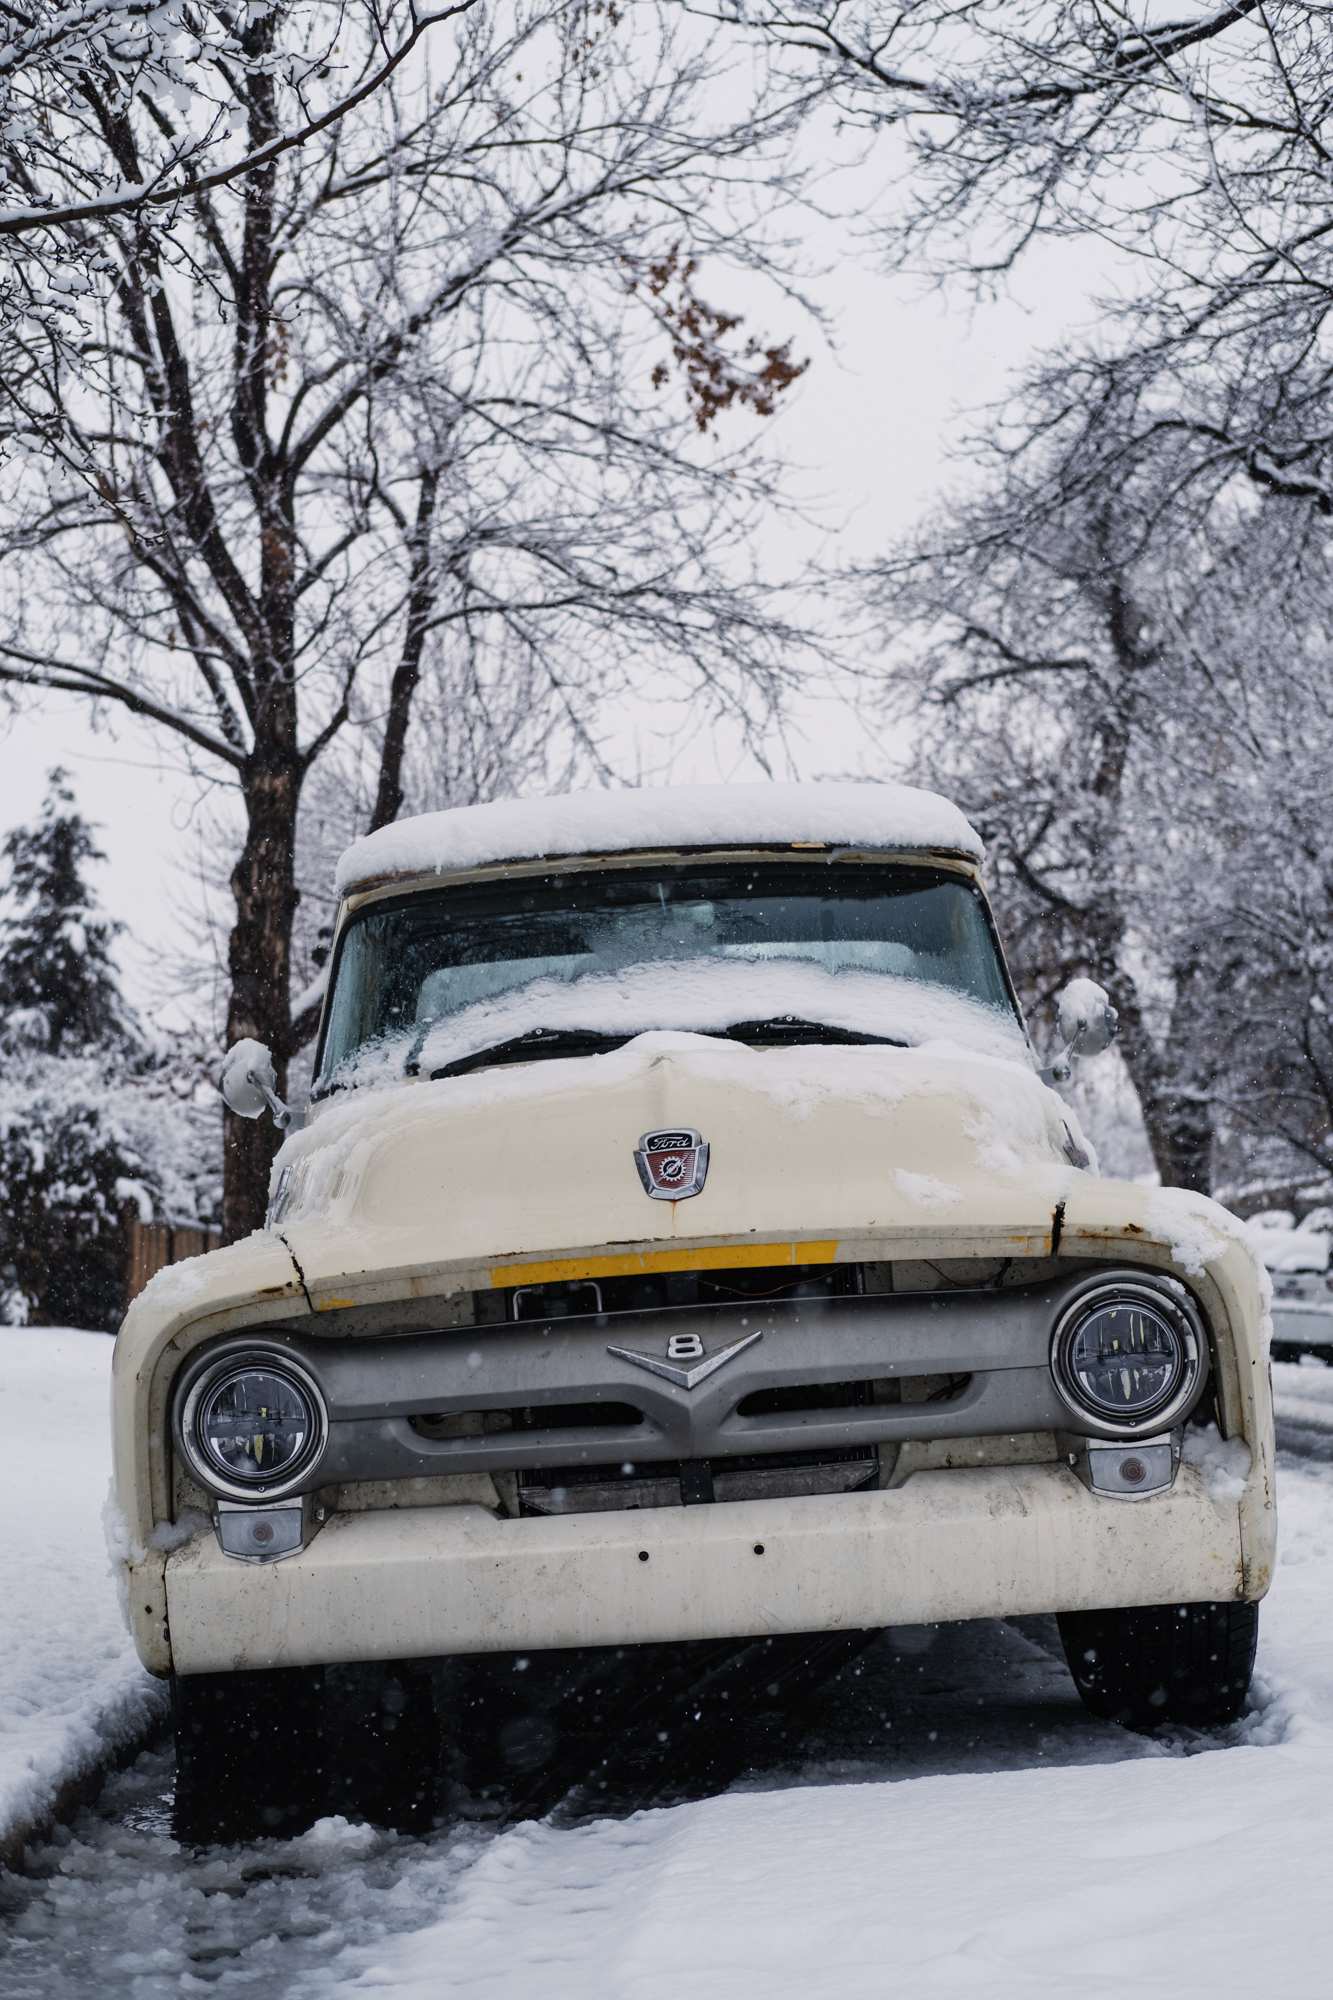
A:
[249,1086]
[280,1112]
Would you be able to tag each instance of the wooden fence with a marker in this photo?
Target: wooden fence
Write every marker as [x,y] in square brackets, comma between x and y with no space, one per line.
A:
[150,1246]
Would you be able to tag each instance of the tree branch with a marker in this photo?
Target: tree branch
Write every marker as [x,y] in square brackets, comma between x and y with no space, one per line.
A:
[157,192]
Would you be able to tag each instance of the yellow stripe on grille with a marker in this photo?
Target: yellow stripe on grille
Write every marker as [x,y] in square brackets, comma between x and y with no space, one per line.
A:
[717,1257]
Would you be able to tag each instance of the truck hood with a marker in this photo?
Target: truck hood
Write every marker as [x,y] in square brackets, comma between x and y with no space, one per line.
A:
[533,1161]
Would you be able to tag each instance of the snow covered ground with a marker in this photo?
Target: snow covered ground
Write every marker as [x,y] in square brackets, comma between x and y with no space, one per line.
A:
[1176,1868]
[944,1820]
[71,1689]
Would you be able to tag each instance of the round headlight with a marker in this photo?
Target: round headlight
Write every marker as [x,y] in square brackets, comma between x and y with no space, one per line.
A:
[252,1424]
[1127,1356]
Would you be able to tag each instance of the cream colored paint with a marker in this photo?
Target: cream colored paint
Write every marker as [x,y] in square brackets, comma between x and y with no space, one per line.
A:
[961,1544]
[584,864]
[423,1174]
[1100,1222]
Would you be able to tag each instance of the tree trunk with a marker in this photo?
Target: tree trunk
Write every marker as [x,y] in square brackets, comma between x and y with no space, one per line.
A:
[1183,1114]
[1174,1081]
[1180,1132]
[259,960]
[421,596]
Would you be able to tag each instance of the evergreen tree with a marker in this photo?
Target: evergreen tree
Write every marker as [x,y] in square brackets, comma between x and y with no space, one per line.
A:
[59,988]
[79,1132]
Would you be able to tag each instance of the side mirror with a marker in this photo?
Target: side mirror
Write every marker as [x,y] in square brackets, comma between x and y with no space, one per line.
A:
[1088,1022]
[249,1086]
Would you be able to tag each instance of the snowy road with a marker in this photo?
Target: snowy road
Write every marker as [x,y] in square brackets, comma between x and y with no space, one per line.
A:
[942,1820]
[933,1707]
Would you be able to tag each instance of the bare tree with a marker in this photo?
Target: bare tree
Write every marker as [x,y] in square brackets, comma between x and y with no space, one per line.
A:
[1191,142]
[1129,669]
[1046,680]
[1137,715]
[481,729]
[153,87]
[396,395]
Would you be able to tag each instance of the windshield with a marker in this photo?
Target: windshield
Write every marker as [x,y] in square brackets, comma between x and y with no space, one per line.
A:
[405,969]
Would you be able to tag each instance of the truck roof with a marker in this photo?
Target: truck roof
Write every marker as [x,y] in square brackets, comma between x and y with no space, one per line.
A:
[901,818]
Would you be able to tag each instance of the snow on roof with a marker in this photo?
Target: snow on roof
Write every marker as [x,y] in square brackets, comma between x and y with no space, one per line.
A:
[679,816]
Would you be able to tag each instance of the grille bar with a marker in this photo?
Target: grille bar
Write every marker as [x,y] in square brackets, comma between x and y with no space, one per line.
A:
[695,1482]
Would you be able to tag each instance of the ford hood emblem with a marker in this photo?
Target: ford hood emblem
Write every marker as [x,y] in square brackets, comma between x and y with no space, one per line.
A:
[672,1164]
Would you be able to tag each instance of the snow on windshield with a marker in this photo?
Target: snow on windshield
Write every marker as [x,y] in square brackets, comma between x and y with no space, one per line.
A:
[470,952]
[898,817]
[704,995]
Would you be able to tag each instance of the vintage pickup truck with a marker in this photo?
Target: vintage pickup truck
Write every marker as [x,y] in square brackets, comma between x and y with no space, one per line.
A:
[681,1244]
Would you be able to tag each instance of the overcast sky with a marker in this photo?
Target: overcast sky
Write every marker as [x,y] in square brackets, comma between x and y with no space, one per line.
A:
[868,432]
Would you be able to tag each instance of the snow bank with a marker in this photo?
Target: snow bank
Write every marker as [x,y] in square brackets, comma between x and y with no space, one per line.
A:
[71,1688]
[1140,1880]
[698,995]
[900,817]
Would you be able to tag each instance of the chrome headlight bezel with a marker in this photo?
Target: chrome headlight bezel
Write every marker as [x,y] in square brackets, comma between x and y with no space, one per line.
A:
[1169,1304]
[201,1383]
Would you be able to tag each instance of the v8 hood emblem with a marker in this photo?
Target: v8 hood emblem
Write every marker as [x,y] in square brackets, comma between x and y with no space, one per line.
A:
[685,1363]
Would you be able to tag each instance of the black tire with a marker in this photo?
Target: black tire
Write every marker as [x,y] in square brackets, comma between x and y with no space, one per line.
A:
[267,1754]
[250,1754]
[382,1744]
[1163,1663]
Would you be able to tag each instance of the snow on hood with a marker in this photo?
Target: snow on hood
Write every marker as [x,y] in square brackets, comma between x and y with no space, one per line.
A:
[900,817]
[1198,1232]
[949,1118]
[702,994]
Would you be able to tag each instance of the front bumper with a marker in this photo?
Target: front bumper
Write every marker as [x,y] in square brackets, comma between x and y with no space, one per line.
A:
[965,1543]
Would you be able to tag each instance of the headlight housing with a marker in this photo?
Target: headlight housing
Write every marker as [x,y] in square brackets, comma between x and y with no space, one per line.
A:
[1128,1356]
[252,1424]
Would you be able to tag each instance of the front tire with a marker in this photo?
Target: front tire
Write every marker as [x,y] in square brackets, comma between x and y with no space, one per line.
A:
[249,1753]
[1160,1664]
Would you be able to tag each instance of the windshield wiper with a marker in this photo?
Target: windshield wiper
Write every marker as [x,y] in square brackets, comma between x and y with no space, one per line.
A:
[537,1042]
[794,1028]
[779,1028]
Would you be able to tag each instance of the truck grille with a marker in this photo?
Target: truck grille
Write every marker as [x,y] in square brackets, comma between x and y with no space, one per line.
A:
[800,1394]
[531,1421]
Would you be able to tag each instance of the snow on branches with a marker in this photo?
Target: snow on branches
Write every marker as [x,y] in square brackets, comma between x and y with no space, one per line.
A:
[113,112]
[1191,143]
[363,425]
